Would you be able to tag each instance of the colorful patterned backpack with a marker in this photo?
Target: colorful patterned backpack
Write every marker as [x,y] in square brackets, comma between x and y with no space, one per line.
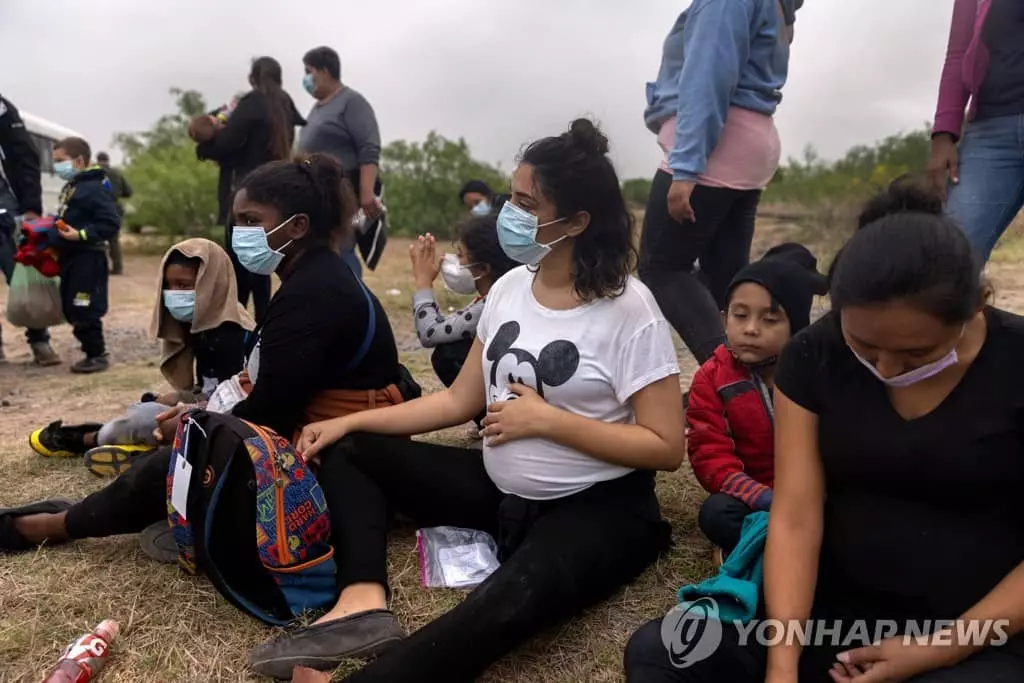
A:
[248,512]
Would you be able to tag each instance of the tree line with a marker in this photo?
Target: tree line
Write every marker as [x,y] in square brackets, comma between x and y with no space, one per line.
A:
[177,193]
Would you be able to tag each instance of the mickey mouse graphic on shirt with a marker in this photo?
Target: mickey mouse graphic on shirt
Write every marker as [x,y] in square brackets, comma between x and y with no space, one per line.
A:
[557,363]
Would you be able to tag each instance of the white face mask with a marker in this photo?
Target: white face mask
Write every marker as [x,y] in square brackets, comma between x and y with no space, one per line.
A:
[457,277]
[916,375]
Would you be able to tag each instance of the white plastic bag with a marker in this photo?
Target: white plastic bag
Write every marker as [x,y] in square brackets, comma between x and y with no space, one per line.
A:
[226,396]
[451,557]
[34,299]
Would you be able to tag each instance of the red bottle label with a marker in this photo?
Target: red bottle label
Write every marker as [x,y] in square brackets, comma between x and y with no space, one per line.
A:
[88,652]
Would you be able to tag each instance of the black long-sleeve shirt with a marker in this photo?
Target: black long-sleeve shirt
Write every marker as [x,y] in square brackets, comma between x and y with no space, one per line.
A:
[20,159]
[244,142]
[315,324]
[219,354]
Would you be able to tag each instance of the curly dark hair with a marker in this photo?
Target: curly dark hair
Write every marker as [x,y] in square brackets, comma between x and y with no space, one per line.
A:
[479,237]
[574,172]
[314,185]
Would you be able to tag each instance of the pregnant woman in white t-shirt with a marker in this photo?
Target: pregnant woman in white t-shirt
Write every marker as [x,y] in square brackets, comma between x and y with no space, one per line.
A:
[575,365]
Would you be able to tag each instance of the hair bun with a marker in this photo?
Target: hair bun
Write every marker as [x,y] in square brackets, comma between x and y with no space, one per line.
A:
[585,136]
[906,194]
[322,167]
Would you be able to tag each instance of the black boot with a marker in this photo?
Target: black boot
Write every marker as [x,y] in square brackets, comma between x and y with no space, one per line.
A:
[91,365]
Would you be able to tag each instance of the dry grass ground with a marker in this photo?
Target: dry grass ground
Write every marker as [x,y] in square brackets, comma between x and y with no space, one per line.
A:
[175,627]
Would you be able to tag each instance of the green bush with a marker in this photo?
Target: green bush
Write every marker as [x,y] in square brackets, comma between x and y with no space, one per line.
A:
[862,172]
[826,196]
[174,192]
[635,191]
[423,181]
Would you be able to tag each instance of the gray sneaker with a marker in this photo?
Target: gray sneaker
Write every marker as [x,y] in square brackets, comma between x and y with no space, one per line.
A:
[44,355]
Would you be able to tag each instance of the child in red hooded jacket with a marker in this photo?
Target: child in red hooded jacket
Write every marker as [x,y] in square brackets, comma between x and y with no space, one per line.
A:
[730,436]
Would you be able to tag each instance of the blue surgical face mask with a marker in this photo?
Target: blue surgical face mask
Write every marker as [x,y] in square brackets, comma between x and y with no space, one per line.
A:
[65,169]
[307,83]
[482,208]
[254,252]
[180,303]
[517,235]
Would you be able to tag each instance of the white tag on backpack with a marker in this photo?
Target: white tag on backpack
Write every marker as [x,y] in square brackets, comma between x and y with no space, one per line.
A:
[180,484]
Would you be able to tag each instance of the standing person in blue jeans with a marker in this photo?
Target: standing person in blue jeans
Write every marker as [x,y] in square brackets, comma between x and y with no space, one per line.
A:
[722,70]
[343,124]
[984,161]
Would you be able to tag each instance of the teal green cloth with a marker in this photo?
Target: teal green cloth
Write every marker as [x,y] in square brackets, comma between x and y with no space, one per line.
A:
[737,586]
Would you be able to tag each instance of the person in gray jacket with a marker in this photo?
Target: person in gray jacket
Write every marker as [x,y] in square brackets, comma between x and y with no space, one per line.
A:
[343,124]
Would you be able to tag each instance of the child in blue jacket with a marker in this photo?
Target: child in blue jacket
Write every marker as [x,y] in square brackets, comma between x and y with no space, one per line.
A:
[86,220]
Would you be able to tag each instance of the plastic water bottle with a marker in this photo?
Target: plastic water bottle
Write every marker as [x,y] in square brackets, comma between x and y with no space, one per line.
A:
[83,659]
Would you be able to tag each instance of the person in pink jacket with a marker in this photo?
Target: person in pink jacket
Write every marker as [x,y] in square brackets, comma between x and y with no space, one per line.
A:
[978,136]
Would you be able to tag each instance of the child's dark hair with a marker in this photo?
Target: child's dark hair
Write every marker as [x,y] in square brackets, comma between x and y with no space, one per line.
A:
[176,258]
[573,171]
[324,58]
[313,185]
[479,237]
[477,186]
[75,147]
[910,253]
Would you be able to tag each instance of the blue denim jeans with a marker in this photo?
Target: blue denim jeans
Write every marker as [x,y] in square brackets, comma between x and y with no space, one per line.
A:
[991,188]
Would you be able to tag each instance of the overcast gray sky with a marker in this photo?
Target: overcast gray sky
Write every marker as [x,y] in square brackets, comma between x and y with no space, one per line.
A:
[497,73]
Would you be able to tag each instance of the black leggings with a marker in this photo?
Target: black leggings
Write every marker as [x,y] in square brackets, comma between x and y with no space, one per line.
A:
[558,557]
[126,505]
[720,239]
[647,661]
[721,519]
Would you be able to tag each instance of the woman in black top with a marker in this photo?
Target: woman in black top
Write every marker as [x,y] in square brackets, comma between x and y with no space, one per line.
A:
[261,128]
[315,341]
[900,455]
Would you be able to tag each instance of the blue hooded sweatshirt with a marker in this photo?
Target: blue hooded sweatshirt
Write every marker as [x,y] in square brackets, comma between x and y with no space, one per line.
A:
[719,53]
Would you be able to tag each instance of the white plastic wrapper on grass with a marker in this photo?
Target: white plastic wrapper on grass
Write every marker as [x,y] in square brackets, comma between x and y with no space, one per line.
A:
[451,557]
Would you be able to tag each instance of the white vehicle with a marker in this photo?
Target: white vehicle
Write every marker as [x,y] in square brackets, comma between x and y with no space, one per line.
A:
[45,134]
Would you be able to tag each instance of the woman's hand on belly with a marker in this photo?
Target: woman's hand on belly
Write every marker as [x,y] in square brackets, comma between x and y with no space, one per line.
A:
[523,416]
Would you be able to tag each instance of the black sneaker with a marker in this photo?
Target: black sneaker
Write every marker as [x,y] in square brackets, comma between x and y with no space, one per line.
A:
[57,441]
[91,365]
